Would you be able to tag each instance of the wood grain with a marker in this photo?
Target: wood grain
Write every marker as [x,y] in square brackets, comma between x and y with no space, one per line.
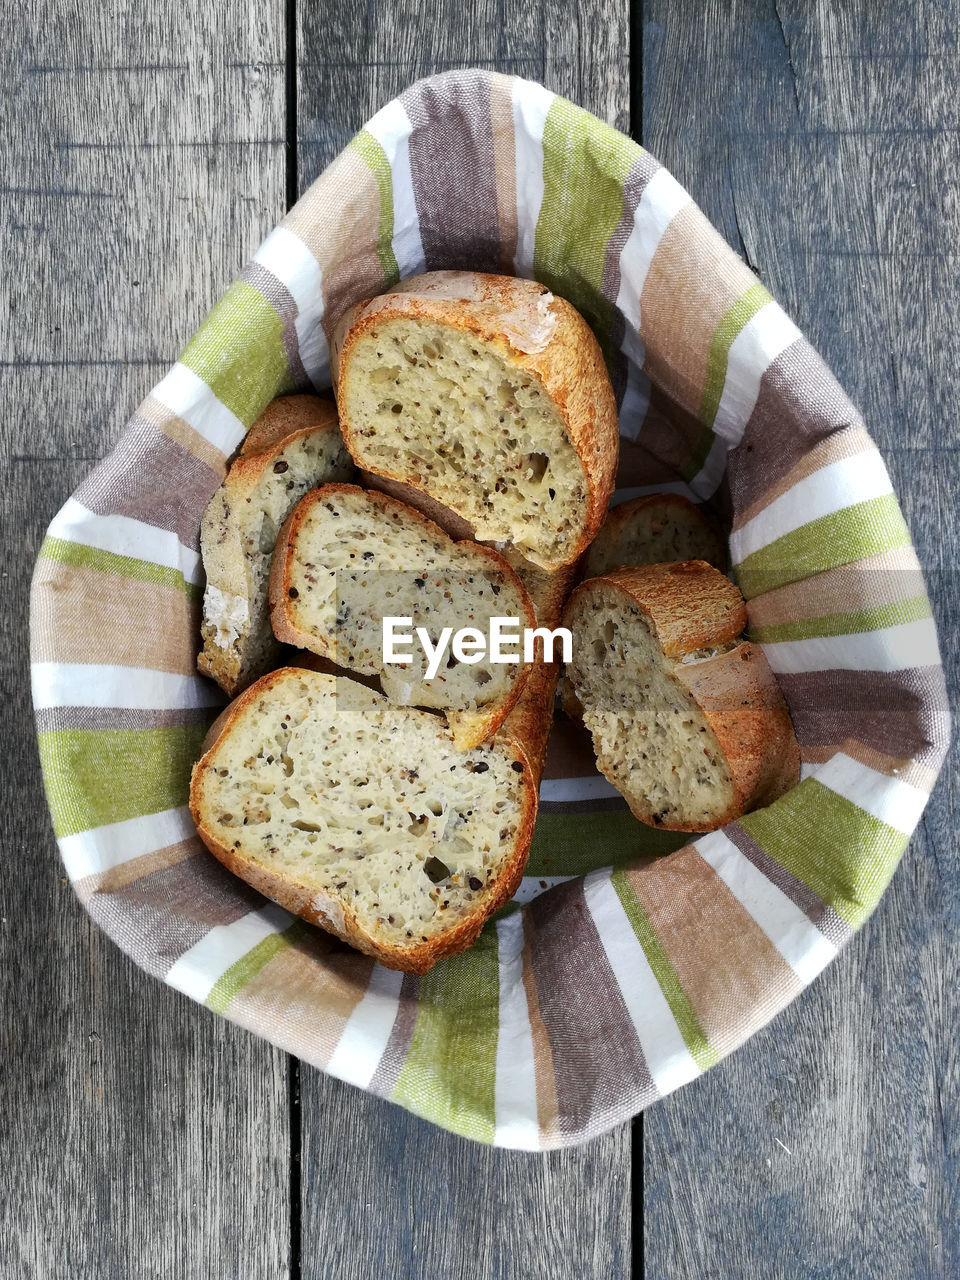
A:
[408,1199]
[821,140]
[142,164]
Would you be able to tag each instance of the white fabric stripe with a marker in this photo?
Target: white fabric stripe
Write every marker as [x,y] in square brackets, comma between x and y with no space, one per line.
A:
[367,1031]
[199,970]
[636,401]
[89,853]
[515,1083]
[531,104]
[392,129]
[668,1058]
[762,339]
[187,395]
[841,484]
[532,886]
[592,787]
[670,486]
[78,684]
[791,931]
[708,479]
[890,800]
[911,644]
[124,536]
[285,256]
[661,201]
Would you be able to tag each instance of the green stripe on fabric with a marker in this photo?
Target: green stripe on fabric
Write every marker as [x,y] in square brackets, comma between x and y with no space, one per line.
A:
[450,1070]
[98,776]
[248,966]
[585,164]
[573,844]
[845,624]
[841,852]
[865,529]
[238,351]
[693,1033]
[734,320]
[79,556]
[375,158]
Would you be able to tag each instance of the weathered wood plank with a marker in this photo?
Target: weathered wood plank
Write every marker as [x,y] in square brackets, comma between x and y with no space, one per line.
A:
[408,1199]
[821,139]
[142,1136]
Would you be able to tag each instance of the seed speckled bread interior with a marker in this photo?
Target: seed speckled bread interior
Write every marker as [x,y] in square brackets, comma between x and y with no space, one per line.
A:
[657,529]
[364,817]
[688,722]
[348,557]
[489,394]
[293,446]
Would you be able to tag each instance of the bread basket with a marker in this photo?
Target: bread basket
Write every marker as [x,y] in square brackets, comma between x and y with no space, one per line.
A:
[622,975]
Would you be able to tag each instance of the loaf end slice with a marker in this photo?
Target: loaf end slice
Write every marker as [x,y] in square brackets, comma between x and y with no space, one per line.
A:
[688,721]
[295,445]
[657,529]
[489,394]
[363,817]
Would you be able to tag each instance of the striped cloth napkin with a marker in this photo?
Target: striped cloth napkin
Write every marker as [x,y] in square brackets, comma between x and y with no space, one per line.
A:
[618,976]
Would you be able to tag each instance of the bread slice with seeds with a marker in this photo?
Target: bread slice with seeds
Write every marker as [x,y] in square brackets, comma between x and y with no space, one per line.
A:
[657,529]
[364,817]
[295,445]
[347,557]
[490,394]
[688,721]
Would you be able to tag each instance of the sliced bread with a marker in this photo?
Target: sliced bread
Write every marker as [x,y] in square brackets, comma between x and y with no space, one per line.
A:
[656,529]
[295,445]
[688,722]
[348,557]
[364,817]
[489,394]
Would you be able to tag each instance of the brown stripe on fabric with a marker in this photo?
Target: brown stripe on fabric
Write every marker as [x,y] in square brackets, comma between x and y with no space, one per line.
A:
[813,907]
[395,1055]
[281,299]
[156,413]
[886,578]
[505,166]
[160,625]
[800,403]
[845,443]
[52,719]
[453,166]
[160,916]
[303,996]
[602,804]
[547,1109]
[600,1073]
[897,713]
[730,971]
[116,878]
[693,280]
[669,433]
[894,766]
[569,751]
[639,467]
[127,483]
[636,180]
[338,219]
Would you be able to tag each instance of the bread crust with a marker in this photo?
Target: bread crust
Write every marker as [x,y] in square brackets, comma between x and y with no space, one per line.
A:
[469,728]
[282,423]
[533,329]
[637,509]
[690,606]
[336,915]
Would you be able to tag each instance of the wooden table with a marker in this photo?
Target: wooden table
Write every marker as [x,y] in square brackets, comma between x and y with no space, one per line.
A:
[147,148]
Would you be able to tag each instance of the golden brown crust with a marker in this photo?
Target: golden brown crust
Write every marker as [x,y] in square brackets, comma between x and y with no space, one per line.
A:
[636,510]
[560,352]
[286,418]
[339,918]
[470,729]
[690,605]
